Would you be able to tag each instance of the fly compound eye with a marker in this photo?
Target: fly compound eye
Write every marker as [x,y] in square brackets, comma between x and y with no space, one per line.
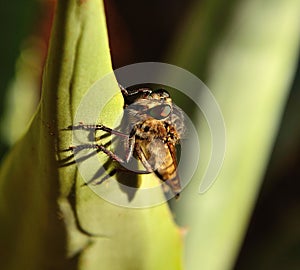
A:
[160,112]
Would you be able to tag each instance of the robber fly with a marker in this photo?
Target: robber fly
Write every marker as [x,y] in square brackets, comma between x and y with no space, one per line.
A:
[152,127]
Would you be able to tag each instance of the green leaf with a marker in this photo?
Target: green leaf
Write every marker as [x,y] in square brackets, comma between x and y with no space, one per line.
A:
[49,218]
[249,69]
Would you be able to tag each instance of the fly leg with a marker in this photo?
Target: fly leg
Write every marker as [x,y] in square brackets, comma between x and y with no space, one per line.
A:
[129,146]
[98,148]
[144,160]
[123,90]
[110,154]
[95,127]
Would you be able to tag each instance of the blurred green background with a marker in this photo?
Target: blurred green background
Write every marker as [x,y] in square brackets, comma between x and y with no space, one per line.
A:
[150,31]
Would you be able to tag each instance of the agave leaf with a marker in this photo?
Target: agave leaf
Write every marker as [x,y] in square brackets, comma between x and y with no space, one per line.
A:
[49,218]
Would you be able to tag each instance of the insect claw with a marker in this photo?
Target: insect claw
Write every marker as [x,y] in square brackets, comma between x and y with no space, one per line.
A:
[67,128]
[65,150]
[177,196]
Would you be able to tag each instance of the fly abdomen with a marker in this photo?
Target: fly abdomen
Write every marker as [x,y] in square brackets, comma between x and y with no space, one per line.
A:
[172,180]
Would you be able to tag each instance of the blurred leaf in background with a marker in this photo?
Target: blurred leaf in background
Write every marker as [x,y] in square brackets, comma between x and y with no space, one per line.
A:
[250,70]
[25,29]
[273,238]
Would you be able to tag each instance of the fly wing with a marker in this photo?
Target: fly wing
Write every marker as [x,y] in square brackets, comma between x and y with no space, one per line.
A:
[167,172]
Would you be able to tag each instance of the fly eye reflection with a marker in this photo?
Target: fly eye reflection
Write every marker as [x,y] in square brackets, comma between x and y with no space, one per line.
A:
[160,112]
